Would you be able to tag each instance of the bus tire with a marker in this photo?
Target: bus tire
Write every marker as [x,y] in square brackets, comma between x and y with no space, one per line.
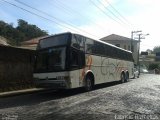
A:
[127,77]
[88,84]
[122,77]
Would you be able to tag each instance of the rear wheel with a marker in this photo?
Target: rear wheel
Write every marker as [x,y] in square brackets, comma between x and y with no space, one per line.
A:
[126,77]
[88,84]
[122,78]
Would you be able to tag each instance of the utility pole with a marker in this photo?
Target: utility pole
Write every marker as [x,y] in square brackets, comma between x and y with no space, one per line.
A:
[132,38]
[140,36]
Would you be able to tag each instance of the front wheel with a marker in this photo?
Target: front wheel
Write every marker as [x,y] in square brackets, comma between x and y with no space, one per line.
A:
[88,84]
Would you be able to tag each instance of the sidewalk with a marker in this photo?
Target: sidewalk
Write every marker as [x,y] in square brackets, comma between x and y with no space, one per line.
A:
[20,92]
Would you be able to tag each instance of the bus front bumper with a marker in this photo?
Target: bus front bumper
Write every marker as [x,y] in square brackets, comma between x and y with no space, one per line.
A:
[54,84]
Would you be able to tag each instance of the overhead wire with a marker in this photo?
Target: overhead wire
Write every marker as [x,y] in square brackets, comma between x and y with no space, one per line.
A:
[105,12]
[42,17]
[111,12]
[73,11]
[55,18]
[37,15]
[118,12]
[66,24]
[61,7]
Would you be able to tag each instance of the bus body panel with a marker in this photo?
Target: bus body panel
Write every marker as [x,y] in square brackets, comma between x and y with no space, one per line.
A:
[108,69]
[69,79]
[74,76]
[53,80]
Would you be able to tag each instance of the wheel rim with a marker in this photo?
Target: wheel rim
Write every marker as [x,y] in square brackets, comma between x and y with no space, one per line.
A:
[88,85]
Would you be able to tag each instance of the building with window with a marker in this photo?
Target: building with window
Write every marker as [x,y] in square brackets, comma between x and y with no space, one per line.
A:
[31,44]
[123,42]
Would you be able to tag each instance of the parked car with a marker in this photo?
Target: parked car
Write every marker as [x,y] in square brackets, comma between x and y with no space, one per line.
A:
[143,70]
[136,73]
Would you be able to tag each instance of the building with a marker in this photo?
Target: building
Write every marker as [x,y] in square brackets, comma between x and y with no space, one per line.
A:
[31,44]
[123,42]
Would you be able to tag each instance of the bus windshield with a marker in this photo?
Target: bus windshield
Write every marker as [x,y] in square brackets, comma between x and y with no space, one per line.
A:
[52,41]
[51,60]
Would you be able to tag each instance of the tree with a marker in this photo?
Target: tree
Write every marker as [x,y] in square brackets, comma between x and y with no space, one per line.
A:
[30,31]
[7,31]
[156,49]
[149,51]
[154,66]
[22,32]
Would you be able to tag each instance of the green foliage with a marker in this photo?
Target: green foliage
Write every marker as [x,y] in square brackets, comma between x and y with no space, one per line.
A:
[154,66]
[156,49]
[30,31]
[22,32]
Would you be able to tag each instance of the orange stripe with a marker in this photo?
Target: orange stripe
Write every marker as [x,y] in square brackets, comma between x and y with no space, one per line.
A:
[89,63]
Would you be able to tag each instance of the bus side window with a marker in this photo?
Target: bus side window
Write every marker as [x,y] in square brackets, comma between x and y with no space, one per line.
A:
[77,59]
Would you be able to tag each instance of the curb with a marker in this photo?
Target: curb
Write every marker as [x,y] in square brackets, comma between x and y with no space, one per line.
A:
[20,92]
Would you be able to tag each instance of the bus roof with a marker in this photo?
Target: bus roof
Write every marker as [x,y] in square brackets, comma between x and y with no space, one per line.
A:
[104,43]
[89,38]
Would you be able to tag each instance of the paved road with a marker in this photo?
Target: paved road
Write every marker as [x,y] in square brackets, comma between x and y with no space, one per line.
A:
[136,99]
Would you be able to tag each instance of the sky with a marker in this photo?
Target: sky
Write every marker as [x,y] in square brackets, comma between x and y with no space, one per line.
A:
[92,18]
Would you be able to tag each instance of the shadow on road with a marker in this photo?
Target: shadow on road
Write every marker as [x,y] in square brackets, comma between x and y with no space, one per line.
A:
[47,95]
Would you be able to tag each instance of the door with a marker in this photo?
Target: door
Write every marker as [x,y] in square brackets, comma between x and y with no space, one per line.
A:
[77,62]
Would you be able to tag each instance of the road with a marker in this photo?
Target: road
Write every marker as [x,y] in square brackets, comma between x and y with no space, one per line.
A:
[136,99]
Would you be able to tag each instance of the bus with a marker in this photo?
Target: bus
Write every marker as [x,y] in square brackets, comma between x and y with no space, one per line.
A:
[68,60]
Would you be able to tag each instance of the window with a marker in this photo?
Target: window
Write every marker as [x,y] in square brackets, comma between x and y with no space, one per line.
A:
[106,49]
[53,41]
[110,51]
[89,45]
[129,47]
[74,58]
[99,48]
[125,47]
[41,61]
[118,45]
[77,59]
[132,48]
[56,59]
[78,42]
[52,59]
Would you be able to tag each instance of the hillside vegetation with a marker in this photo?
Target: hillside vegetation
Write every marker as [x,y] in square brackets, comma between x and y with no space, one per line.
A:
[24,31]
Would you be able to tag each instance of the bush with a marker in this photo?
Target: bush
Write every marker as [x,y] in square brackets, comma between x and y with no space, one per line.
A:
[154,66]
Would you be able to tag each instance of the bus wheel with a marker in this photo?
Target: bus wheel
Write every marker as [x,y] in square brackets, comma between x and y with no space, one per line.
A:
[126,77]
[122,77]
[88,84]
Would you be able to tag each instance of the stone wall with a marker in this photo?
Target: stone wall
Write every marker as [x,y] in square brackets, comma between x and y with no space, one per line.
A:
[16,68]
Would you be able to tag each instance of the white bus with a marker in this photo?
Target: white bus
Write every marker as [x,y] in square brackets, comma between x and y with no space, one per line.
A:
[68,60]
